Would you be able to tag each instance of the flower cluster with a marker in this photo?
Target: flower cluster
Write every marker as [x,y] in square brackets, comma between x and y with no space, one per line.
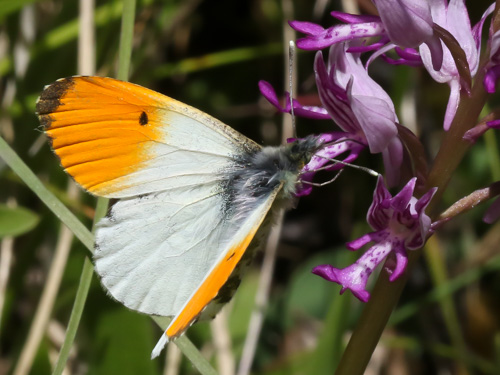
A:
[417,31]
[399,224]
[436,35]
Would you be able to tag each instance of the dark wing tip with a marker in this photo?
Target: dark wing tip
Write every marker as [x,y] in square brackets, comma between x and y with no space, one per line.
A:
[49,100]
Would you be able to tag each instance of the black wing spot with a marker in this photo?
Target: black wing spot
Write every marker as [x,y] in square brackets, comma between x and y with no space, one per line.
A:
[228,259]
[143,119]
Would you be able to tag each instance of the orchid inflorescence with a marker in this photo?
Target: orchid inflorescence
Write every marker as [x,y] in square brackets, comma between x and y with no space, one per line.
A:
[436,35]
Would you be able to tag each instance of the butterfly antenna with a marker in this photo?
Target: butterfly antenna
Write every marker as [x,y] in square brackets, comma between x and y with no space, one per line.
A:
[364,169]
[291,58]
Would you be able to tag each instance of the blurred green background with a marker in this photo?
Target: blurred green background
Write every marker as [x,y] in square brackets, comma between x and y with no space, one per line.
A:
[211,55]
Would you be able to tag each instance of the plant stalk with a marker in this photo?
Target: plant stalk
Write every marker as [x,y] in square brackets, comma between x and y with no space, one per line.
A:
[386,294]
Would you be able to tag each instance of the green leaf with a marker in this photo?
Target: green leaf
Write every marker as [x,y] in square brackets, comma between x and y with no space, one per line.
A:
[16,221]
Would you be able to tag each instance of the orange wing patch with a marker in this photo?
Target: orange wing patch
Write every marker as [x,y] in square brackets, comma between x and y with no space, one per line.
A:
[210,287]
[100,128]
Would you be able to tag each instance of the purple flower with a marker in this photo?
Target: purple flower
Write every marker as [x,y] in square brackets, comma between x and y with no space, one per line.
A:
[494,124]
[399,224]
[360,107]
[472,135]
[313,112]
[493,65]
[408,23]
[454,18]
[357,27]
[493,212]
[335,144]
[402,23]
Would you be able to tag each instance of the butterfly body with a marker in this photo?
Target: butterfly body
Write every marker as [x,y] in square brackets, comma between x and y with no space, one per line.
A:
[195,196]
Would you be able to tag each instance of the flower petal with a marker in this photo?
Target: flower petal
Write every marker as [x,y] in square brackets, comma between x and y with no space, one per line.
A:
[316,40]
[401,261]
[478,28]
[493,212]
[453,101]
[378,216]
[402,199]
[436,52]
[408,22]
[491,78]
[393,161]
[351,278]
[458,23]
[358,243]
[334,97]
[377,120]
[316,113]
[307,28]
[354,18]
[267,90]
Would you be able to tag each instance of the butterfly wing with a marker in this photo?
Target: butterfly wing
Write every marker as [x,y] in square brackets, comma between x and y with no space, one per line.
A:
[171,242]
[170,253]
[241,233]
[117,139]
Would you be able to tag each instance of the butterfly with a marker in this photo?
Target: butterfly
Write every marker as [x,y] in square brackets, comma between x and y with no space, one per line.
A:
[195,197]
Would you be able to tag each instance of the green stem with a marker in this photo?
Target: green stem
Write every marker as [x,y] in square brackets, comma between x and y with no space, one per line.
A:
[81,296]
[453,147]
[194,355]
[372,322]
[50,200]
[187,348]
[76,315]
[126,38]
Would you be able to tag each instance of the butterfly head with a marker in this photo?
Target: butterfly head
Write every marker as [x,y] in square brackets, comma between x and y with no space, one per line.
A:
[301,151]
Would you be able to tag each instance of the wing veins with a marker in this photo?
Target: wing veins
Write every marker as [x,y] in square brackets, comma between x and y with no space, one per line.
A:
[182,206]
[148,139]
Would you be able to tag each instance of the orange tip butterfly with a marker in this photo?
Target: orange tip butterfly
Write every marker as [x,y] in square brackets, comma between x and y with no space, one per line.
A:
[195,196]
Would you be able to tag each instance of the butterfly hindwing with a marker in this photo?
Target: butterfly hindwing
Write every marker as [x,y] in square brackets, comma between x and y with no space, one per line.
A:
[242,234]
[169,253]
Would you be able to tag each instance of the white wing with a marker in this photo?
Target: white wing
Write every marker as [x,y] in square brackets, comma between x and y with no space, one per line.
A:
[153,253]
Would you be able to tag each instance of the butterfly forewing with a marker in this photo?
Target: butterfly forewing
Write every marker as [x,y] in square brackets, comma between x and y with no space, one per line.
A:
[117,139]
